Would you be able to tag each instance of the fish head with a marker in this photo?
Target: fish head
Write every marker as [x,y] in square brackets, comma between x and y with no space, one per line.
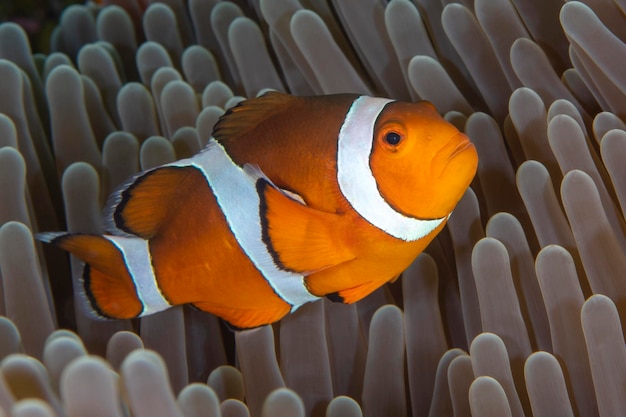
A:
[422,164]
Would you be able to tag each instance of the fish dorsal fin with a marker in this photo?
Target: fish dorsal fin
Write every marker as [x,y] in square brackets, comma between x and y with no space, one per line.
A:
[140,206]
[301,238]
[249,114]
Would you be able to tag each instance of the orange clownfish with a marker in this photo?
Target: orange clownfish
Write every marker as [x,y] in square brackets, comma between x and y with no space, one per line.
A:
[293,199]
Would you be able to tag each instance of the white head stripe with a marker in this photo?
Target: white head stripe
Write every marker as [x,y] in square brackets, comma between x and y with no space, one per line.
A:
[137,257]
[236,194]
[356,181]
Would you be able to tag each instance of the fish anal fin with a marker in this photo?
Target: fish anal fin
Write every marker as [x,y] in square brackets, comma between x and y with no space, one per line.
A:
[354,294]
[301,238]
[107,284]
[247,115]
[242,319]
[146,202]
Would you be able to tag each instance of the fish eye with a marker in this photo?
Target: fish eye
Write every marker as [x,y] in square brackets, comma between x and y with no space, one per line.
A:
[393,138]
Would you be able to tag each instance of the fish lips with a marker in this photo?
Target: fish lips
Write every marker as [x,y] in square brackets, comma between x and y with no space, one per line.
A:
[458,149]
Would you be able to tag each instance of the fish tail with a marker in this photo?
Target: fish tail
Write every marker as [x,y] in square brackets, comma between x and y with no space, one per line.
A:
[108,283]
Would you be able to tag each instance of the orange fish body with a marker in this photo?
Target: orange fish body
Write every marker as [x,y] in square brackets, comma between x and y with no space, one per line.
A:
[294,198]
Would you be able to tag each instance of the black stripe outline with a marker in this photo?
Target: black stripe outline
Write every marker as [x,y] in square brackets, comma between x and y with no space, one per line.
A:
[261,186]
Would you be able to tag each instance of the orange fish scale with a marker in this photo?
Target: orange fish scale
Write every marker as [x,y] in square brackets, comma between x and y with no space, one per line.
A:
[200,250]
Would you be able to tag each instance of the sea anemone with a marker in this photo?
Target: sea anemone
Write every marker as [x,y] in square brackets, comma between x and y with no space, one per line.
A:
[514,309]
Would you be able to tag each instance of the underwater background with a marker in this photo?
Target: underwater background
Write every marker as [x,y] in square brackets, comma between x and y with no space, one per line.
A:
[514,310]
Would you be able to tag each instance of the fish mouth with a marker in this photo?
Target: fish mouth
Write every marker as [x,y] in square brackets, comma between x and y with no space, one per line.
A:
[460,148]
[459,153]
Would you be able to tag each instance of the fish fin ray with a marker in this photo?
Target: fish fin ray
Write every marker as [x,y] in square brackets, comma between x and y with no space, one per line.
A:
[241,319]
[301,238]
[248,114]
[354,294]
[141,205]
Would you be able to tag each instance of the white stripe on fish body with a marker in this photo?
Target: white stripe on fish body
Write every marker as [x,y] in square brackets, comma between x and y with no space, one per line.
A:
[136,254]
[237,196]
[356,180]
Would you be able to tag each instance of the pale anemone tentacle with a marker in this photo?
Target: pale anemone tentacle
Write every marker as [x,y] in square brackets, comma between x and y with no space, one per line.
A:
[463,30]
[604,122]
[509,231]
[10,337]
[120,159]
[304,340]
[408,35]
[502,26]
[25,301]
[174,351]
[488,398]
[460,378]
[222,15]
[466,230]
[317,45]
[83,375]
[24,376]
[137,111]
[205,122]
[58,352]
[258,359]
[343,406]
[431,82]
[185,142]
[607,353]
[364,22]
[179,106]
[546,386]
[422,315]
[357,182]
[561,290]
[198,400]
[490,259]
[216,93]
[383,393]
[283,401]
[155,398]
[120,345]
[227,382]
[159,23]
[252,58]
[490,357]
[156,151]
[200,67]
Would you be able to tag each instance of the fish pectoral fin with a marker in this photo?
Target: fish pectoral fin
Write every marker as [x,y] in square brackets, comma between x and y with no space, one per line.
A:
[140,206]
[255,172]
[301,238]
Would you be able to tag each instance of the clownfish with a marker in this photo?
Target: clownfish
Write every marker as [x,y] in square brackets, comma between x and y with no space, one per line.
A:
[292,199]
